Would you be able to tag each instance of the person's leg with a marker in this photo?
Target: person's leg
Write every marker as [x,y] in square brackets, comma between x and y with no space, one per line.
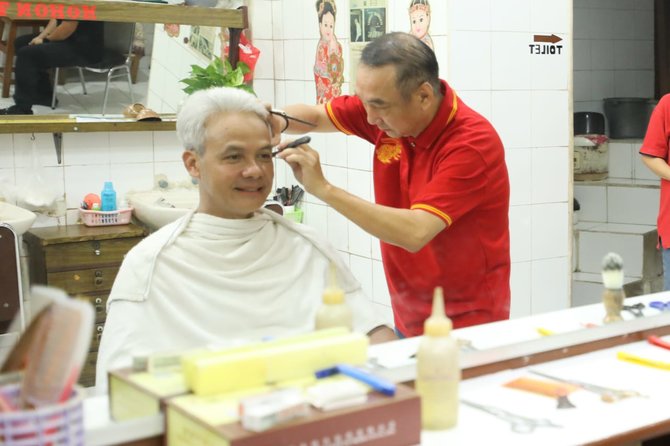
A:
[32,82]
[666,268]
[20,43]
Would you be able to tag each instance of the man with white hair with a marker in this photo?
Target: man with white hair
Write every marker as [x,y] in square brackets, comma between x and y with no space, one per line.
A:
[230,270]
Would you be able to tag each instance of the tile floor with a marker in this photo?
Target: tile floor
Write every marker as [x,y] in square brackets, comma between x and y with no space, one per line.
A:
[71,99]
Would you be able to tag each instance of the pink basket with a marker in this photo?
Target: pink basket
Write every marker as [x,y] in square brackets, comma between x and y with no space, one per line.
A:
[56,425]
[106,218]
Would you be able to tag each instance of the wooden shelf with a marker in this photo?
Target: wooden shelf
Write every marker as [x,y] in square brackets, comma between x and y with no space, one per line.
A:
[67,124]
[113,11]
[125,11]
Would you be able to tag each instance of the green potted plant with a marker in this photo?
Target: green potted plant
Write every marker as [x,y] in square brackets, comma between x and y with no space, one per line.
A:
[219,73]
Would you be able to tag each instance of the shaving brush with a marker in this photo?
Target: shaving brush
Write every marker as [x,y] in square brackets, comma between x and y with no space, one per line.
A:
[613,295]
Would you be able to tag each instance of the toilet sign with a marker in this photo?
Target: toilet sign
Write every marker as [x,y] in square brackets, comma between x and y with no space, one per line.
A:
[545,45]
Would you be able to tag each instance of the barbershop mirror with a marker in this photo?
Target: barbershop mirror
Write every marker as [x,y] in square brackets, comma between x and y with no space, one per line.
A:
[162,92]
[186,36]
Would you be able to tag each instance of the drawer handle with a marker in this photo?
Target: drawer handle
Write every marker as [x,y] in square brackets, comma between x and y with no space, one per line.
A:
[98,300]
[98,281]
[96,248]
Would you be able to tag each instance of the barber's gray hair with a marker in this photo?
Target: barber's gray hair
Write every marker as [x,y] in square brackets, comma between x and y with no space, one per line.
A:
[202,104]
[414,61]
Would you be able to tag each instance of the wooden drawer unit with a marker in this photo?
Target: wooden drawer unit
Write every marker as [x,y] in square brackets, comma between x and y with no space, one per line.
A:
[84,262]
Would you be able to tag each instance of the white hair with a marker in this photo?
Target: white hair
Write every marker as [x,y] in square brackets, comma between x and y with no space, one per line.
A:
[202,104]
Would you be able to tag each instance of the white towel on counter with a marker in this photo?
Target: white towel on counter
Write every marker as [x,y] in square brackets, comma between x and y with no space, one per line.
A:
[207,281]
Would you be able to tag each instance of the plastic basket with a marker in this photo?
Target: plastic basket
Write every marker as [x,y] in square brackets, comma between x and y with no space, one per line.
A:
[296,215]
[106,218]
[56,425]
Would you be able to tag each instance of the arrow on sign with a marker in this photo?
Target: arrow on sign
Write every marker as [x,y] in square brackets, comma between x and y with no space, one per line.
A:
[551,39]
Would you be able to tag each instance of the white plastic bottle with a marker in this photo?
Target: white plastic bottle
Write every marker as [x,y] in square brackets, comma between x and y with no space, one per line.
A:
[334,310]
[438,371]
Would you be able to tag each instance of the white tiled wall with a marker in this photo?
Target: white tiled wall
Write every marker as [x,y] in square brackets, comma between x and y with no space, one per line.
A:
[483,50]
[614,51]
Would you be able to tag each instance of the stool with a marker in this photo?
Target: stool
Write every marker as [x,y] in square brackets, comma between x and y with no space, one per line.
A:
[7,46]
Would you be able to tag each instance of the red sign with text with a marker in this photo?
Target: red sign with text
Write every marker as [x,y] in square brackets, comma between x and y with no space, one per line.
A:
[48,11]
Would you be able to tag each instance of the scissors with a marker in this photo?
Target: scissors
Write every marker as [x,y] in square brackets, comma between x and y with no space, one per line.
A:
[607,394]
[635,309]
[518,423]
[292,118]
[662,306]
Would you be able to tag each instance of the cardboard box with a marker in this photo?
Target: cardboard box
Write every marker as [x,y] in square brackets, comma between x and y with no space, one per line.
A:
[381,421]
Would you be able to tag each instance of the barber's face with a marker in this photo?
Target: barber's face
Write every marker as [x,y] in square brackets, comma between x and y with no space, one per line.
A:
[236,169]
[385,106]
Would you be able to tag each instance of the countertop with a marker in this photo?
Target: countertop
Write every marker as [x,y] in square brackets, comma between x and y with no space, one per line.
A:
[592,421]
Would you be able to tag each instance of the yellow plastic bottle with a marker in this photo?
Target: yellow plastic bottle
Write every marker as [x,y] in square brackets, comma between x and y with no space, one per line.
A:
[438,371]
[334,311]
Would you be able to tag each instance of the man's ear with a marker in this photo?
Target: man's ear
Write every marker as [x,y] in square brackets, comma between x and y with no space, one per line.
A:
[426,94]
[191,162]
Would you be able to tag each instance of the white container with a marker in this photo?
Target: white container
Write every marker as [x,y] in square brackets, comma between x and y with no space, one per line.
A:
[438,372]
[591,160]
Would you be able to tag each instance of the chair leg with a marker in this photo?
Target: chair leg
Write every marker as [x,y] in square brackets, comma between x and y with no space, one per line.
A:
[104,101]
[53,95]
[9,60]
[81,79]
[130,86]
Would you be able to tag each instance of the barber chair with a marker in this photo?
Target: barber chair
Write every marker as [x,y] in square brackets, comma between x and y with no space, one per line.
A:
[11,295]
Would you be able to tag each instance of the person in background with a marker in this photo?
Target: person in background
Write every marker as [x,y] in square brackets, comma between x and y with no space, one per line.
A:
[654,153]
[230,270]
[62,43]
[440,182]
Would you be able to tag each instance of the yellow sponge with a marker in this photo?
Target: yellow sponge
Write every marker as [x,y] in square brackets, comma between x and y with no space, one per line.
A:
[270,364]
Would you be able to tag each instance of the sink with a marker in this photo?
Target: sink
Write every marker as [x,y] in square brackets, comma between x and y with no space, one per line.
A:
[18,218]
[156,208]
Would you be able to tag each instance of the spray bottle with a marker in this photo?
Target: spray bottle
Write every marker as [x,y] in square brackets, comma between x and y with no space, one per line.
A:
[334,312]
[438,370]
[613,295]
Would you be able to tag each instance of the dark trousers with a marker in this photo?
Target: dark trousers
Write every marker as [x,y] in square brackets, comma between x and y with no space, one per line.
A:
[32,84]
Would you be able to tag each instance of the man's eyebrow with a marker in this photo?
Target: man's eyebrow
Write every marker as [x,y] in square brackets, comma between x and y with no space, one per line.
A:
[376,101]
[232,148]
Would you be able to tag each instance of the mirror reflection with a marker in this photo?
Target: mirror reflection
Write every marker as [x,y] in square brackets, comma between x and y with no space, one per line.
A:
[607,64]
[110,79]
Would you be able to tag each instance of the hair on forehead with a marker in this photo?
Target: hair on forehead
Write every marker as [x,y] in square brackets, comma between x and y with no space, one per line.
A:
[199,107]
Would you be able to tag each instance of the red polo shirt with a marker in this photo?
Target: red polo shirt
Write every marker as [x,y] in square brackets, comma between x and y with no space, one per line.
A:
[455,169]
[656,144]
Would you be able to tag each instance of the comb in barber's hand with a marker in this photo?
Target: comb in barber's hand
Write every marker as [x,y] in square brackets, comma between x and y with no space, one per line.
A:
[296,143]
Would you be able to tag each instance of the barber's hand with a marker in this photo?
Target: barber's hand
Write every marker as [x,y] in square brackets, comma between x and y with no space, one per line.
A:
[37,41]
[306,166]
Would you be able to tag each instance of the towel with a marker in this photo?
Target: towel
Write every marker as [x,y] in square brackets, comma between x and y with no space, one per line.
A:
[205,281]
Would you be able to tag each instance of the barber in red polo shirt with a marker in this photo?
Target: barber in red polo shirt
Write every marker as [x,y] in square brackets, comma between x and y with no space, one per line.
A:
[655,155]
[441,184]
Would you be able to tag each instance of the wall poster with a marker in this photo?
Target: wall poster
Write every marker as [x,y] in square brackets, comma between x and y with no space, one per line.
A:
[367,20]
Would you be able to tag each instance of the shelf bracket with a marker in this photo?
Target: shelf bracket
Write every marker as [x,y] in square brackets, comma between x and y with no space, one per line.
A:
[58,142]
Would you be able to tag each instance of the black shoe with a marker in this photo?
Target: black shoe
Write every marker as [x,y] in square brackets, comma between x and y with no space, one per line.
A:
[15,110]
